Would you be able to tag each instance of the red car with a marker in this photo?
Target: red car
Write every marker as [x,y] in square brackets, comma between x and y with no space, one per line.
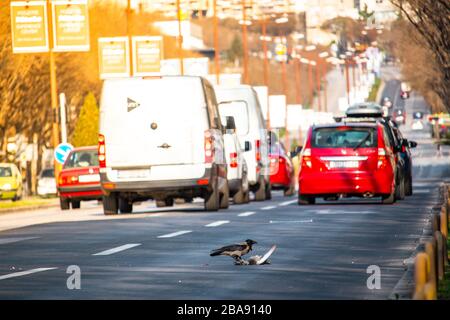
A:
[345,160]
[79,179]
[282,175]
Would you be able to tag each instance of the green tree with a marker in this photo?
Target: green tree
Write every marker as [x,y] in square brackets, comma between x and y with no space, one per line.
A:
[86,129]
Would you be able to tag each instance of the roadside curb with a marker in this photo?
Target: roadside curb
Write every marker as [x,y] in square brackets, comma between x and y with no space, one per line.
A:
[28,208]
[404,289]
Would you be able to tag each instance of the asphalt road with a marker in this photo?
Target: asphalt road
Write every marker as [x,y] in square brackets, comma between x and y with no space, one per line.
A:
[323,250]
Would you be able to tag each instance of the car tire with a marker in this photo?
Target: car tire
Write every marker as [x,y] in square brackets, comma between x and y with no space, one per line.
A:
[239,197]
[164,203]
[225,198]
[64,203]
[260,194]
[125,206]
[111,204]
[400,190]
[212,199]
[409,187]
[268,191]
[289,192]
[76,204]
[305,200]
[388,199]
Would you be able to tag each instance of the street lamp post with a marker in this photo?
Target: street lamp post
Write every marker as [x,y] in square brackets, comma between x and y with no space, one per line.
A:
[53,87]
[129,31]
[180,38]
[216,44]
[244,43]
[318,80]
[266,59]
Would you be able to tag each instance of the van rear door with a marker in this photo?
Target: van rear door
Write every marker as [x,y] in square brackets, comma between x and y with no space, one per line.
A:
[150,122]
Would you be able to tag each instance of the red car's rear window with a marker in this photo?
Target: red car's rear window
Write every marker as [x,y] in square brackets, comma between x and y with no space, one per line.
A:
[345,137]
[82,159]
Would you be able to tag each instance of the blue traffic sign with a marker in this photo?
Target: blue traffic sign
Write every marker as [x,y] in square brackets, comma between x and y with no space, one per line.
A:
[62,151]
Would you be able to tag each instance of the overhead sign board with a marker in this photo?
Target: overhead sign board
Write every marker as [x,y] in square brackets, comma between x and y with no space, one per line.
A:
[113,57]
[147,55]
[29,26]
[70,25]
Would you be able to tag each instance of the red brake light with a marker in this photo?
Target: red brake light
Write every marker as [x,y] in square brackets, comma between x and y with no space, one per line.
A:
[306,158]
[101,151]
[258,150]
[382,158]
[233,160]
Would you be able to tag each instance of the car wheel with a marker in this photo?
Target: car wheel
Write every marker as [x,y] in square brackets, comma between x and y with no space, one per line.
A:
[64,203]
[400,190]
[212,199]
[225,198]
[289,192]
[268,191]
[409,187]
[305,200]
[111,204]
[388,199]
[260,194]
[239,197]
[125,206]
[76,204]
[164,203]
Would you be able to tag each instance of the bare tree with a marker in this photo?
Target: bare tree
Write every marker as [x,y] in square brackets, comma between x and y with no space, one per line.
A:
[431,20]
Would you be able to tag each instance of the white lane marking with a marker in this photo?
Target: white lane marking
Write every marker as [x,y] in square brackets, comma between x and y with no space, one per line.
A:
[17,239]
[117,249]
[268,208]
[174,234]
[291,221]
[24,273]
[421,191]
[286,203]
[217,223]
[330,211]
[246,214]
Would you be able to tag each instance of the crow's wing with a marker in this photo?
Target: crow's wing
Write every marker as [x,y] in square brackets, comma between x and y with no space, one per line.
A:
[228,249]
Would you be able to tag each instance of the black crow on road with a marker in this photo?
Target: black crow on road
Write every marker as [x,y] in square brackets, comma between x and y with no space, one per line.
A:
[236,251]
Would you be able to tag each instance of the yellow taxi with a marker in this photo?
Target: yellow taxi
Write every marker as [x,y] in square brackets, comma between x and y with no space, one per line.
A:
[10,182]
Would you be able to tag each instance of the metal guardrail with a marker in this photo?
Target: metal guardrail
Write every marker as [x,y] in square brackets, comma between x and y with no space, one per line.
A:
[430,265]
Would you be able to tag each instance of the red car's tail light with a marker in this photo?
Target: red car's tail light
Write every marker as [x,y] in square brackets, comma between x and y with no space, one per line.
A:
[233,160]
[306,158]
[382,160]
[258,150]
[209,147]
[101,151]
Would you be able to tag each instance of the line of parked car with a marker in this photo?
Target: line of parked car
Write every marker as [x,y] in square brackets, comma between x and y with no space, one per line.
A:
[176,137]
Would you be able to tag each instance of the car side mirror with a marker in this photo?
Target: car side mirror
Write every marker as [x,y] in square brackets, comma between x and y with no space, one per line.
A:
[412,144]
[247,146]
[231,125]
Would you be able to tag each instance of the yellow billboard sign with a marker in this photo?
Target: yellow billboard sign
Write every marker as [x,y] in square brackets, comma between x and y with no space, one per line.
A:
[147,55]
[114,57]
[70,25]
[29,26]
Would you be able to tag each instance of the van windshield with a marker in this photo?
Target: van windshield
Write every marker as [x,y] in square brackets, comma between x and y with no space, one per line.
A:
[345,137]
[82,159]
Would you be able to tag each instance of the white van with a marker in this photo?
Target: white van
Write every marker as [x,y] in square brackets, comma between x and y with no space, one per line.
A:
[242,103]
[237,173]
[161,138]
